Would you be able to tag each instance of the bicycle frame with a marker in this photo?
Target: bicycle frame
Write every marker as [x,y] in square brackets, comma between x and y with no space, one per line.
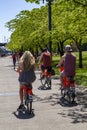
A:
[45,78]
[45,73]
[68,87]
[67,81]
[27,88]
[28,98]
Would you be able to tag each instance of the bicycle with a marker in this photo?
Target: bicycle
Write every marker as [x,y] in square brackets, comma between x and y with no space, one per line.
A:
[27,95]
[68,88]
[28,98]
[45,78]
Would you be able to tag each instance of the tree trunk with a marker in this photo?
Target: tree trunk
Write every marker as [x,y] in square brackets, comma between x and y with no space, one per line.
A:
[61,49]
[80,53]
[80,59]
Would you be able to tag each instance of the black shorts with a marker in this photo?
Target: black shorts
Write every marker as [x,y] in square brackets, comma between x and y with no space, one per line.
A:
[48,68]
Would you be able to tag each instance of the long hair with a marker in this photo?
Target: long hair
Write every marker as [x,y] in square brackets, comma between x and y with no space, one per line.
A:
[26,61]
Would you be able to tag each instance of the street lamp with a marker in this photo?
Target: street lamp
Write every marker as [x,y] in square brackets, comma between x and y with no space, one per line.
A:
[49,23]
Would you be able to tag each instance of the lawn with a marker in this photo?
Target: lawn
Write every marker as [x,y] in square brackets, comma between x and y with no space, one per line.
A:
[81,74]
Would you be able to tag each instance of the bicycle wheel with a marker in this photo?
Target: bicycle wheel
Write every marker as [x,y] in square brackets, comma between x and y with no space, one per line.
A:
[73,97]
[49,82]
[69,96]
[30,110]
[29,104]
[43,79]
[62,92]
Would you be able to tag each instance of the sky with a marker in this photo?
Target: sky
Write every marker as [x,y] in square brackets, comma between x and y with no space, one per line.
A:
[8,10]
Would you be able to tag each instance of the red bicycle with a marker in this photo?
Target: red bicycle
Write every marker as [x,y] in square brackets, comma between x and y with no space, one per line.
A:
[28,97]
[45,77]
[68,88]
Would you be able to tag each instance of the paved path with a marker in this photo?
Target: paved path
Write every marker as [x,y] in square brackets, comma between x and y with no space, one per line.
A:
[49,111]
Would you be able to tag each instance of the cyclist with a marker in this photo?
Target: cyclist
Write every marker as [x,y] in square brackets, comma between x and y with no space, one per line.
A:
[68,61]
[26,67]
[45,59]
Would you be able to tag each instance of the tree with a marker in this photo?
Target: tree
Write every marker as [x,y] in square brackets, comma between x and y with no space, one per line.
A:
[71,20]
[29,28]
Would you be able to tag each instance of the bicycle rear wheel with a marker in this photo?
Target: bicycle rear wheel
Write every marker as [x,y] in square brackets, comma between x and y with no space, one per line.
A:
[49,82]
[43,79]
[62,92]
[30,107]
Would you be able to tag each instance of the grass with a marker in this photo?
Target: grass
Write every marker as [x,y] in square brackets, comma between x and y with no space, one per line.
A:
[81,74]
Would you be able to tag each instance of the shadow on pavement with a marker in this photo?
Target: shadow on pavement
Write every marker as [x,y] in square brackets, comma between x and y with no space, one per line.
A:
[65,103]
[42,87]
[78,114]
[76,111]
[23,115]
[82,98]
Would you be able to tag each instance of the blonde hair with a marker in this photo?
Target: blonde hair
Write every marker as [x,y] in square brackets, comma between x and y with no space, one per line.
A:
[26,61]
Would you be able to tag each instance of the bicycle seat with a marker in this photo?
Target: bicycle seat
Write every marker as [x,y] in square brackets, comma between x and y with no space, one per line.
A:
[28,85]
[70,78]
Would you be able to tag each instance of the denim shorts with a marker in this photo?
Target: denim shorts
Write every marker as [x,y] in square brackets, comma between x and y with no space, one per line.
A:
[62,73]
[22,83]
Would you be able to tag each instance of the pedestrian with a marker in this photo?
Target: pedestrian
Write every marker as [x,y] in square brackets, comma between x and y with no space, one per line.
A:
[14,59]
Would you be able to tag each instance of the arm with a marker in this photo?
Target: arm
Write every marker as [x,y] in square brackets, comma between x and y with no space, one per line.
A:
[19,69]
[60,62]
[41,59]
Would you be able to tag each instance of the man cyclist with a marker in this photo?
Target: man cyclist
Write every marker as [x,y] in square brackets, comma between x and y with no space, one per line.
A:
[45,59]
[68,61]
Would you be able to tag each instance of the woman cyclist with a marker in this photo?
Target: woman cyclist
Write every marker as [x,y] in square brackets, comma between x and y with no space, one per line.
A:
[27,75]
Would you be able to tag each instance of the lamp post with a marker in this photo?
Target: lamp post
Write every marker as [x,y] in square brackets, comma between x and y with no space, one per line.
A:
[49,24]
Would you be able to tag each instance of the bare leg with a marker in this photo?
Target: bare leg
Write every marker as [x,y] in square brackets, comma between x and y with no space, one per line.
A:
[21,94]
[61,80]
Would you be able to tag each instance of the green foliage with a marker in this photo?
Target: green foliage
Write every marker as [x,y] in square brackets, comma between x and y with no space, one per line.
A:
[69,25]
[30,28]
[81,77]
[35,1]
[81,2]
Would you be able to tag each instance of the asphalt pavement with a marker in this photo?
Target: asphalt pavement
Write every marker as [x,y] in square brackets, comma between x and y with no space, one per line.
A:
[50,112]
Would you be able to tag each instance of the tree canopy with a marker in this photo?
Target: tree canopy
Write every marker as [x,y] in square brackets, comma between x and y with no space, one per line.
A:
[30,28]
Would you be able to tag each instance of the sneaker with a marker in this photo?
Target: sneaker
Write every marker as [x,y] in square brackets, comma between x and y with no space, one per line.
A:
[21,107]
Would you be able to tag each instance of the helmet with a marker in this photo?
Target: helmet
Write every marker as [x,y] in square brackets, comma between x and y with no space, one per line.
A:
[68,48]
[44,50]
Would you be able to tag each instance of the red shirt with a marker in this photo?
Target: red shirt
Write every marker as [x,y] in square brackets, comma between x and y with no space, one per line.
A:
[46,58]
[70,65]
